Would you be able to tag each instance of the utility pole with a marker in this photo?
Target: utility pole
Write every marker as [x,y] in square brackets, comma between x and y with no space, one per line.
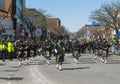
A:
[14,17]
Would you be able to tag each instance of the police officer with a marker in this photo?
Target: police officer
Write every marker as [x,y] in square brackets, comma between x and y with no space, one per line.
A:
[3,49]
[10,49]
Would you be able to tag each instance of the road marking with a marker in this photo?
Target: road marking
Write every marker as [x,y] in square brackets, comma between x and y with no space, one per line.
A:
[37,77]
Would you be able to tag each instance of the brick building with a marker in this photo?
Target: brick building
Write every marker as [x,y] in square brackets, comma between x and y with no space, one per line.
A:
[10,9]
[94,32]
[6,9]
[53,24]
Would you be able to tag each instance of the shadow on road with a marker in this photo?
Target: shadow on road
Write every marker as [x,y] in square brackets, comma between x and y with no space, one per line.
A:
[12,78]
[78,68]
[2,64]
[113,62]
[54,62]
[11,70]
[14,66]
[87,61]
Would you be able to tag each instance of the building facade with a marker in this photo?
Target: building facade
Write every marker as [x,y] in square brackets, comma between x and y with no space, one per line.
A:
[6,9]
[9,11]
[95,32]
[53,24]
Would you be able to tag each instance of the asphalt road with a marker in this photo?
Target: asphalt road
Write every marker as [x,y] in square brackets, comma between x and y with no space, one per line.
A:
[87,71]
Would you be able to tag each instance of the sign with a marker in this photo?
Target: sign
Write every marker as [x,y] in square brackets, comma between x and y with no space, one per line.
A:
[119,34]
[96,24]
[86,31]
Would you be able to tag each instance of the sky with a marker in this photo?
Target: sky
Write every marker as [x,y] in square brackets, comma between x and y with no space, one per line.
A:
[73,14]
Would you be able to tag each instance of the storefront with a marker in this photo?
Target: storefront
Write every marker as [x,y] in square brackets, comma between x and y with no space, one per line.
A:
[6,30]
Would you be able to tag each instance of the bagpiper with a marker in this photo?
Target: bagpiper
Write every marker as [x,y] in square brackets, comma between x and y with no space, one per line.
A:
[20,52]
[105,49]
[46,51]
[26,51]
[60,53]
[75,50]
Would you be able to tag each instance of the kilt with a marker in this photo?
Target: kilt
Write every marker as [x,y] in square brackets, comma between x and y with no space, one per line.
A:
[59,58]
[47,54]
[20,54]
[104,53]
[25,54]
[77,55]
[99,52]
[32,53]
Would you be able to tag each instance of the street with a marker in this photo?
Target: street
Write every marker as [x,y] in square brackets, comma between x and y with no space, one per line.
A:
[88,71]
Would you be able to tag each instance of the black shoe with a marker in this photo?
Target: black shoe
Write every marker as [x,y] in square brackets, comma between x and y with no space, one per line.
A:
[60,69]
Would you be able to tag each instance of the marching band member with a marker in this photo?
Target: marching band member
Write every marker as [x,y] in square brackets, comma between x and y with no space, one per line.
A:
[26,51]
[20,53]
[59,54]
[104,51]
[75,50]
[46,51]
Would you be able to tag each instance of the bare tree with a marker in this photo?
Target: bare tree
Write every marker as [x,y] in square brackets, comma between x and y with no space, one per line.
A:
[109,15]
[29,21]
[40,19]
[80,34]
[34,19]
